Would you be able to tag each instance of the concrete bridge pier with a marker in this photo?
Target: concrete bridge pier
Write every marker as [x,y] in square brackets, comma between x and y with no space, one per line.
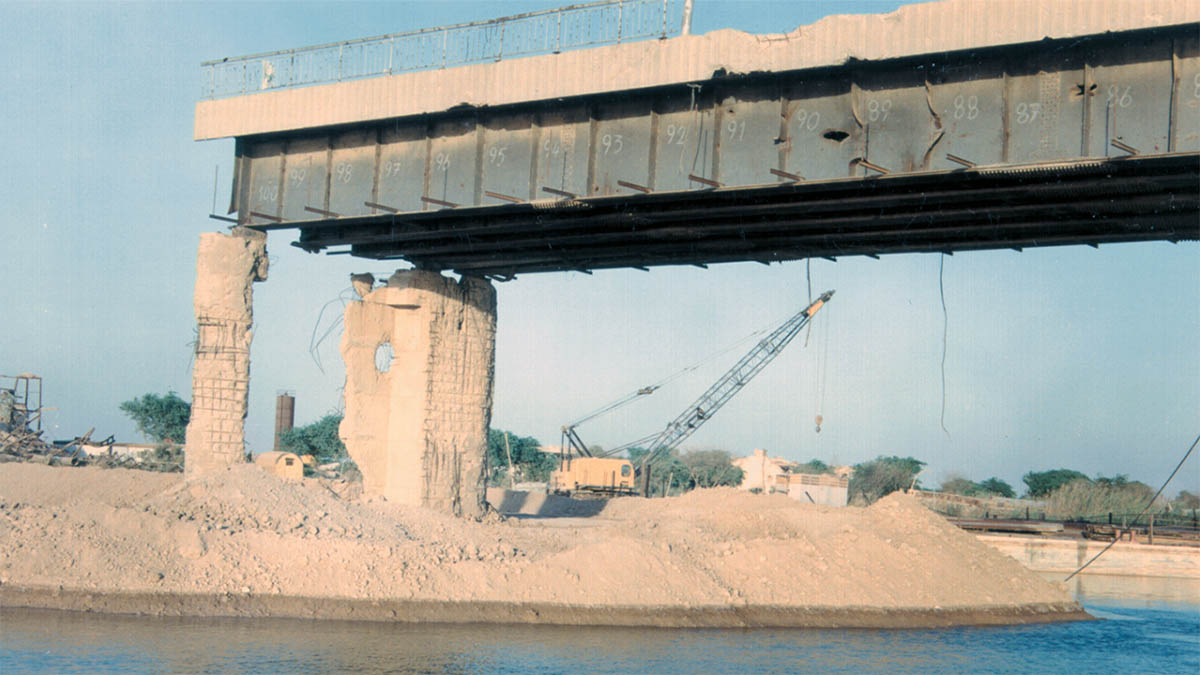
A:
[419,355]
[227,265]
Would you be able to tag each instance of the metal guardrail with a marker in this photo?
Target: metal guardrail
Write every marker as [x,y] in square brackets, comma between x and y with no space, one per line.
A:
[544,32]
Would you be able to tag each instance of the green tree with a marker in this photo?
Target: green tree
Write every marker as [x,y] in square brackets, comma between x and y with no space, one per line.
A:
[163,419]
[529,462]
[1119,480]
[997,487]
[958,485]
[814,466]
[1187,500]
[710,468]
[666,467]
[319,439]
[883,476]
[1042,483]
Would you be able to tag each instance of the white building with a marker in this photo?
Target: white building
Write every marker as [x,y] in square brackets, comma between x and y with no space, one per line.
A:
[761,472]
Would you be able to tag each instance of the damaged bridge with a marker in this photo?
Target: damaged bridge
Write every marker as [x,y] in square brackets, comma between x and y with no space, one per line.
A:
[945,126]
[941,127]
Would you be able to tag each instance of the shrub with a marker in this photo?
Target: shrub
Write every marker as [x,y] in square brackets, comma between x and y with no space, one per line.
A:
[995,486]
[1042,483]
[883,476]
[1091,500]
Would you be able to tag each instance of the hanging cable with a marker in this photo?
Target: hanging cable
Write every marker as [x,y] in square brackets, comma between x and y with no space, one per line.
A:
[808,278]
[822,371]
[1144,509]
[315,342]
[945,333]
[825,357]
[650,389]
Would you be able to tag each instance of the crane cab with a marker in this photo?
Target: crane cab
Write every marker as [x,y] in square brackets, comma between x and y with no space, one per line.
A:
[595,475]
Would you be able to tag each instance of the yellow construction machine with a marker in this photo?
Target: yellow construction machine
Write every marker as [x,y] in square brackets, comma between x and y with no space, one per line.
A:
[581,470]
[594,475]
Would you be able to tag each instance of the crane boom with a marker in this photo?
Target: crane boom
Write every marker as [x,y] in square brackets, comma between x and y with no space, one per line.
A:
[729,384]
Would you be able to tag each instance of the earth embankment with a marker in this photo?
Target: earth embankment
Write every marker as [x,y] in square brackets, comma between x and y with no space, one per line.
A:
[244,542]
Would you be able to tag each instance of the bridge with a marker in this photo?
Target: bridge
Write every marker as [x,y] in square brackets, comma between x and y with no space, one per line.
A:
[989,131]
[941,127]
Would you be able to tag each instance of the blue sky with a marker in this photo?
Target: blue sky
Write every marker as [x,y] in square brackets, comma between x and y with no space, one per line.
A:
[1059,357]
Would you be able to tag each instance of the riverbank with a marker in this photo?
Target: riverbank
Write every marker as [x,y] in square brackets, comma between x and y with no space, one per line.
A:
[247,543]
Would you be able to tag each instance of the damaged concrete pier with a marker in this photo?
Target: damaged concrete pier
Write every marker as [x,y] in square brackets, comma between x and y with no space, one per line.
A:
[227,265]
[419,355]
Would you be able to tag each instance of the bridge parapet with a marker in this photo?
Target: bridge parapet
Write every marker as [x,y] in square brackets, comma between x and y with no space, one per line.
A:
[545,32]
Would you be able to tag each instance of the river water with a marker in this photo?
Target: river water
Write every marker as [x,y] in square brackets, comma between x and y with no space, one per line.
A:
[1150,626]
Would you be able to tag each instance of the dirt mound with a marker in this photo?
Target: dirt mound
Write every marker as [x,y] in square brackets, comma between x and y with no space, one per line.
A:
[246,531]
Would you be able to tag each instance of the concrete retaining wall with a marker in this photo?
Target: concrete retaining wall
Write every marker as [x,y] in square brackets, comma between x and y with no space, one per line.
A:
[1067,555]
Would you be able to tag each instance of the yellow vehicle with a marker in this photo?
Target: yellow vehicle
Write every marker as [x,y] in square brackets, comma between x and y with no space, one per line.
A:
[597,475]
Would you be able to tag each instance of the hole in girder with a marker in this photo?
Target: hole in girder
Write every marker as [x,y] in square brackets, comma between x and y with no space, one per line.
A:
[835,135]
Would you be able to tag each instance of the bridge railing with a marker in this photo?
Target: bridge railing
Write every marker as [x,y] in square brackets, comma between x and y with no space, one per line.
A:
[544,32]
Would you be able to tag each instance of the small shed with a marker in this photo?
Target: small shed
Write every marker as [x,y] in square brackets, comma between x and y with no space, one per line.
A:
[285,464]
[819,488]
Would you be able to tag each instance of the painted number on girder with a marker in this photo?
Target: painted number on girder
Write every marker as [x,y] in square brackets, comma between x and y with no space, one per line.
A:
[612,143]
[676,134]
[878,109]
[391,168]
[1120,99]
[496,155]
[966,107]
[1028,112]
[736,129]
[806,121]
[343,171]
[268,192]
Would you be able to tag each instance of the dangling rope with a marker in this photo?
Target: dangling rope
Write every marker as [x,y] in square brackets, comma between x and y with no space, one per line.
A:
[945,333]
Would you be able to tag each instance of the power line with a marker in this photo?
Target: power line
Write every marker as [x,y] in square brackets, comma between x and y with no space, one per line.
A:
[1144,510]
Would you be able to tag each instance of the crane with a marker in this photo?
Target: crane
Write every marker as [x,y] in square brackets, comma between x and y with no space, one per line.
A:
[687,422]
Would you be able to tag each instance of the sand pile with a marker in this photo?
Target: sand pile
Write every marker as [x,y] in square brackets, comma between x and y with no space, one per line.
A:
[244,531]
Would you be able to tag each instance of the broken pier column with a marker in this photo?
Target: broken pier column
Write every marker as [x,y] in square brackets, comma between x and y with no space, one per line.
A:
[227,266]
[419,356]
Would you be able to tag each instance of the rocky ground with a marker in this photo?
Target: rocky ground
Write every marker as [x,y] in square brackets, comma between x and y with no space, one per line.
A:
[244,531]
